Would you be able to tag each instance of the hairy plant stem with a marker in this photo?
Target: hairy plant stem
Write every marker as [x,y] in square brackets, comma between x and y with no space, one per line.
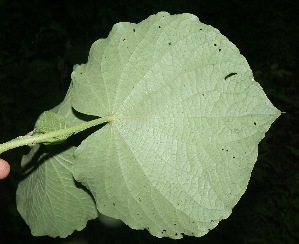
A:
[43,138]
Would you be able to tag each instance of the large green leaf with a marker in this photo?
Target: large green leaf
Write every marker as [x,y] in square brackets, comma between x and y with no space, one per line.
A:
[188,117]
[48,198]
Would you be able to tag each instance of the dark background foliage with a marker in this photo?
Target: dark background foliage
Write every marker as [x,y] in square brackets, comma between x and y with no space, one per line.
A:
[40,41]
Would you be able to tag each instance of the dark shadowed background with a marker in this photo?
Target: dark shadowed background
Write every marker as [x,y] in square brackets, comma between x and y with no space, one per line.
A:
[40,41]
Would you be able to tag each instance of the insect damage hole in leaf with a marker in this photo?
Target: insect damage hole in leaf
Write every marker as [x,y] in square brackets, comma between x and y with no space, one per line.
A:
[229,75]
[174,130]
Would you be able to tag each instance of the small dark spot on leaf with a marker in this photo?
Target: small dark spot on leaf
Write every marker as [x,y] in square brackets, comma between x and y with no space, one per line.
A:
[169,43]
[200,29]
[174,224]
[124,39]
[113,204]
[229,75]
[203,94]
[226,150]
[176,234]
[159,26]
[234,157]
[134,30]
[222,149]
[254,123]
[219,49]
[215,44]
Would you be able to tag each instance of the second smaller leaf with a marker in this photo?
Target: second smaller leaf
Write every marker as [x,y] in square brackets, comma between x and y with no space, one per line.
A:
[49,121]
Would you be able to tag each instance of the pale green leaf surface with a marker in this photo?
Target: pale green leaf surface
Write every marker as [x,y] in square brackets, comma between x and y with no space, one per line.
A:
[188,117]
[49,121]
[65,110]
[48,198]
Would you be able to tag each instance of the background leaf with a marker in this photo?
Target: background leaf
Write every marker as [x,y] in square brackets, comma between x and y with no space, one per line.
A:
[188,119]
[48,198]
[47,122]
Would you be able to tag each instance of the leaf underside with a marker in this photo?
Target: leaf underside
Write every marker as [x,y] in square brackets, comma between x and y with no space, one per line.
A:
[48,198]
[178,154]
[188,117]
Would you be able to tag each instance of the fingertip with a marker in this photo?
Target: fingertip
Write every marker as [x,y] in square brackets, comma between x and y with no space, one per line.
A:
[4,169]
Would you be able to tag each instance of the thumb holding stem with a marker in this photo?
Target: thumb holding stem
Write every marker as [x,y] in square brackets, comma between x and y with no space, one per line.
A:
[4,169]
